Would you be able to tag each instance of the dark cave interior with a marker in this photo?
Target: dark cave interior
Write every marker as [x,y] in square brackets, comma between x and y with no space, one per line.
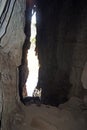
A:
[59,44]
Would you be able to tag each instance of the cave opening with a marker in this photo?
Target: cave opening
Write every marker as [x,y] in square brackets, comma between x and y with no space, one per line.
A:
[29,68]
[48,75]
[33,62]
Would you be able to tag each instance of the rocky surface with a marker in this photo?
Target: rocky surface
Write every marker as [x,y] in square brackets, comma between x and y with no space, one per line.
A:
[84,76]
[69,116]
[6,8]
[61,45]
[10,58]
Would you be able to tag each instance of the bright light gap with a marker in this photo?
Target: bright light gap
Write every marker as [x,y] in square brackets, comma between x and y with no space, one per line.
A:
[33,64]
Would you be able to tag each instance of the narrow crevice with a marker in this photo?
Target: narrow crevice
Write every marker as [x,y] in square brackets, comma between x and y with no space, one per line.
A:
[23,68]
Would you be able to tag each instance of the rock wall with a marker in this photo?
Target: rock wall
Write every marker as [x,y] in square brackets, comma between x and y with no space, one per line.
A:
[61,43]
[10,58]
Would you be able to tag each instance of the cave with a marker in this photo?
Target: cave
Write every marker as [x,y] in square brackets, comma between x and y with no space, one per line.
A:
[61,48]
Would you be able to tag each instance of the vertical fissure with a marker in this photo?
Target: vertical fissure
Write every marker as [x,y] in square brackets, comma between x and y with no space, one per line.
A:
[33,64]
[29,71]
[23,68]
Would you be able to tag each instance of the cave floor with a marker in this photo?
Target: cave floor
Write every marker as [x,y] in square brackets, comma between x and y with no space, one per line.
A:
[69,116]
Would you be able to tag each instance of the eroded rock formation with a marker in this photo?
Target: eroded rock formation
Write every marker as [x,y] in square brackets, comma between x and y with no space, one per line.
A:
[10,58]
[62,53]
[61,41]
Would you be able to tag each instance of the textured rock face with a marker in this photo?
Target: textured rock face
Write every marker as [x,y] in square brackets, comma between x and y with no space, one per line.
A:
[84,76]
[0,97]
[6,8]
[10,58]
[11,43]
[69,116]
[62,53]
[62,47]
